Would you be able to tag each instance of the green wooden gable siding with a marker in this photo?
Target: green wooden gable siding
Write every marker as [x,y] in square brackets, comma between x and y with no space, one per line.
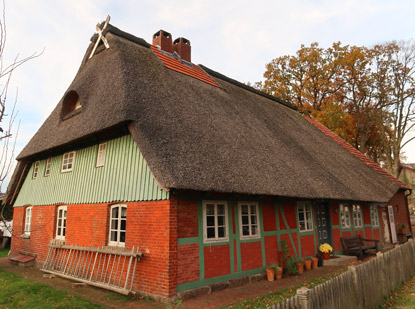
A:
[125,176]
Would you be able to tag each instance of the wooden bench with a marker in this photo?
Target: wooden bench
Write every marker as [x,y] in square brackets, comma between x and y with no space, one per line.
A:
[354,246]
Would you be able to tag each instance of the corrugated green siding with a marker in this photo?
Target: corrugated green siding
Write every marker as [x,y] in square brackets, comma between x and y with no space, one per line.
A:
[125,176]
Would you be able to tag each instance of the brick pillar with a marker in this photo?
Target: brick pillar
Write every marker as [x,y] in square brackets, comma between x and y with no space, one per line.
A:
[173,247]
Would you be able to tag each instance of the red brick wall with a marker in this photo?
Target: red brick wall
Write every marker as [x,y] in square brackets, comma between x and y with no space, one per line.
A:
[87,225]
[271,249]
[290,214]
[187,219]
[268,215]
[400,210]
[188,263]
[307,245]
[251,255]
[217,261]
[334,206]
[337,246]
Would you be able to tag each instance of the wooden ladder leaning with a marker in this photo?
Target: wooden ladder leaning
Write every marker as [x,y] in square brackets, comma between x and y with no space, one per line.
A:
[106,267]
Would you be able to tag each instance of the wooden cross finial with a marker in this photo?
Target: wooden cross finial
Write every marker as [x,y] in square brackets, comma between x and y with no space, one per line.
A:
[101,36]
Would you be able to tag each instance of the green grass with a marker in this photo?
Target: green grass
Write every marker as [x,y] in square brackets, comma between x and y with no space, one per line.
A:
[16,291]
[281,294]
[4,252]
[402,297]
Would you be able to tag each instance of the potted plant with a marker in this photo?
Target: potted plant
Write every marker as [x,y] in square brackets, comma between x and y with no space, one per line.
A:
[283,255]
[278,272]
[291,267]
[300,265]
[326,249]
[270,273]
[403,229]
[314,261]
[307,264]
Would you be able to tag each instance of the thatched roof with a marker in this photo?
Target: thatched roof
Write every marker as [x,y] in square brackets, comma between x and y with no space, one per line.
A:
[197,136]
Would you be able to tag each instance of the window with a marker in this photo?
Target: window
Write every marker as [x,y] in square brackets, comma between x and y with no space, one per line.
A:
[36,169]
[71,105]
[68,161]
[248,220]
[28,221]
[101,154]
[374,215]
[61,223]
[215,218]
[47,168]
[345,216]
[118,224]
[357,216]
[305,216]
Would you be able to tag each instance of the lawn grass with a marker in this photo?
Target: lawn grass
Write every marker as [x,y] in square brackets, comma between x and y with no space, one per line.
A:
[16,291]
[402,297]
[4,252]
[281,294]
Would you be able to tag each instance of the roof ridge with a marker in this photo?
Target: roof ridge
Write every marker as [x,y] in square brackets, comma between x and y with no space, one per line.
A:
[246,87]
[326,131]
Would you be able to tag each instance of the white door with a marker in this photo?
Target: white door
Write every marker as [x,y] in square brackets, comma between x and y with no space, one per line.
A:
[386,234]
[392,224]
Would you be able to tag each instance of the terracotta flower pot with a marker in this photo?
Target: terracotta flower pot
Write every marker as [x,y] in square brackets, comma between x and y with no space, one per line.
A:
[326,255]
[270,274]
[314,260]
[307,264]
[300,267]
[279,273]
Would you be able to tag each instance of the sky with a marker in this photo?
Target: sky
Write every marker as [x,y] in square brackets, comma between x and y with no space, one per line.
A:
[236,38]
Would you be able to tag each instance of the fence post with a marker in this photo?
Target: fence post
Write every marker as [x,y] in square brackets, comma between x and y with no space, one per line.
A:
[357,287]
[304,297]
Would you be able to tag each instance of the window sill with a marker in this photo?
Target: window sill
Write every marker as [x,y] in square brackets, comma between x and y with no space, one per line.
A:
[25,236]
[115,247]
[58,241]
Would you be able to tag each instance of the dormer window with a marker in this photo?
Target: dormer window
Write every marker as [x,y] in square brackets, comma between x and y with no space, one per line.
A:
[71,105]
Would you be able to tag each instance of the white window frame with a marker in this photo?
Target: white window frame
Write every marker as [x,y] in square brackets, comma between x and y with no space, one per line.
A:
[28,220]
[357,216]
[102,148]
[47,167]
[66,156]
[35,169]
[216,226]
[344,210]
[117,242]
[61,222]
[250,224]
[374,215]
[305,208]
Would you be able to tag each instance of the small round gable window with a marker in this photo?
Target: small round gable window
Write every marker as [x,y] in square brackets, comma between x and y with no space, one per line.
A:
[71,104]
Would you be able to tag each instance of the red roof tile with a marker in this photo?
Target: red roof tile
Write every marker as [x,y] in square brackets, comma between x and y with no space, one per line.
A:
[355,152]
[176,65]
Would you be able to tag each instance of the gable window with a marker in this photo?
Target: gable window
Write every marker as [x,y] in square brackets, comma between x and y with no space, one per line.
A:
[248,220]
[36,169]
[357,216]
[68,161]
[345,216]
[61,223]
[118,225]
[47,168]
[374,215]
[305,216]
[101,154]
[28,221]
[215,218]
[71,105]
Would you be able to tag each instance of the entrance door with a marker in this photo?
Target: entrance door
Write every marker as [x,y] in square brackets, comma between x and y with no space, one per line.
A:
[392,224]
[323,223]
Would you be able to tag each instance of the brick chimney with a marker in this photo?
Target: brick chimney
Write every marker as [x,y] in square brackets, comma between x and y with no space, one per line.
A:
[182,47]
[163,39]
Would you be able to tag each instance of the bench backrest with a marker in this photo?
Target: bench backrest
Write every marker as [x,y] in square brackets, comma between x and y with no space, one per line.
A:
[353,241]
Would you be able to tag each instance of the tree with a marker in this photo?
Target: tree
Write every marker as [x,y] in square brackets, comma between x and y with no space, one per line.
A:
[365,95]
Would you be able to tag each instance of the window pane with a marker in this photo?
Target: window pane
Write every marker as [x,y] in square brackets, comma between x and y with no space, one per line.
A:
[244,209]
[59,231]
[113,235]
[245,230]
[245,220]
[123,225]
[115,212]
[114,224]
[211,232]
[254,229]
[301,217]
[210,209]
[221,209]
[253,219]
[221,220]
[210,221]
[221,232]
[124,212]
[253,209]
[63,231]
[122,237]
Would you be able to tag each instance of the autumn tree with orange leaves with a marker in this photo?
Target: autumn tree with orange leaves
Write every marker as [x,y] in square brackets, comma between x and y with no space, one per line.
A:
[364,95]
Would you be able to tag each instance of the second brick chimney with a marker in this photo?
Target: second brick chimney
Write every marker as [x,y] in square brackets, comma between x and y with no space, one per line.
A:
[163,39]
[182,47]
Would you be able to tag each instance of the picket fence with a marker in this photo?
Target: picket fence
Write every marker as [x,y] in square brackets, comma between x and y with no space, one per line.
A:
[362,286]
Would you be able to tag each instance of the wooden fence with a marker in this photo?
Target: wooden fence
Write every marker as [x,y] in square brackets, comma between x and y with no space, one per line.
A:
[362,286]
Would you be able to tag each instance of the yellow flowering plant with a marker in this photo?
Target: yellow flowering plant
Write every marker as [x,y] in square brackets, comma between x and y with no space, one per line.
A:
[326,248]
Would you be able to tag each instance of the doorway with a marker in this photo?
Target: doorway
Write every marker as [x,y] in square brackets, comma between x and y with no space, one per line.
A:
[323,223]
